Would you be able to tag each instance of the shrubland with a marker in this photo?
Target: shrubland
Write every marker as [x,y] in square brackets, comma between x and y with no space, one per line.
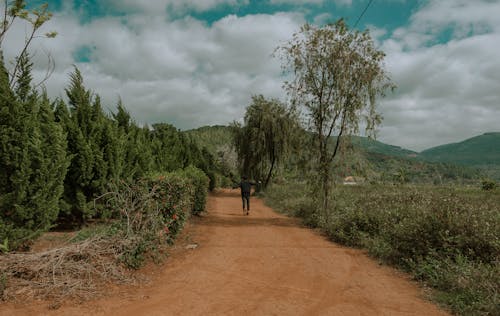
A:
[446,237]
[142,218]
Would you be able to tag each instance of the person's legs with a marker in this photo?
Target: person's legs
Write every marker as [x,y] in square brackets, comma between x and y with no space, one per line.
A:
[243,201]
[247,199]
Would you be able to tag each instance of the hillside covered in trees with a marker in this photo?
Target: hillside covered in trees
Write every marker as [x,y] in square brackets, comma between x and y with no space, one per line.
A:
[367,158]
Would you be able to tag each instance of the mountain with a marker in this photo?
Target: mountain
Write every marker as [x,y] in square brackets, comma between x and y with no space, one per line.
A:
[374,146]
[371,159]
[476,151]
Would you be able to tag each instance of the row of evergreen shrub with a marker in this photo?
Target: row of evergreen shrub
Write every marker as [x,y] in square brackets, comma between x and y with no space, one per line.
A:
[56,159]
[446,237]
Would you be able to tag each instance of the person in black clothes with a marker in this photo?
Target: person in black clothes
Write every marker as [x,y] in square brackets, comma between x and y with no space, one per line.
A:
[245,187]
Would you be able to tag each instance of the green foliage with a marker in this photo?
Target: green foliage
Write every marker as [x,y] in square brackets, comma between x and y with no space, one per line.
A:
[4,247]
[219,156]
[447,237]
[102,230]
[147,214]
[96,147]
[337,77]
[488,185]
[169,149]
[56,160]
[265,138]
[175,194]
[373,146]
[105,149]
[200,183]
[36,18]
[32,159]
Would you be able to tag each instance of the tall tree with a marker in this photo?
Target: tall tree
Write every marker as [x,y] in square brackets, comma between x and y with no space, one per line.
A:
[264,139]
[337,76]
[32,159]
[96,148]
[169,148]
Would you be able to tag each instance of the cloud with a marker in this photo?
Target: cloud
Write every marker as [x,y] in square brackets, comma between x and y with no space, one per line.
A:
[183,72]
[160,7]
[190,73]
[446,91]
[465,17]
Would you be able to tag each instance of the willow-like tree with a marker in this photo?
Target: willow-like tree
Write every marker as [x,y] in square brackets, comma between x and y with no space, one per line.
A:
[336,76]
[265,138]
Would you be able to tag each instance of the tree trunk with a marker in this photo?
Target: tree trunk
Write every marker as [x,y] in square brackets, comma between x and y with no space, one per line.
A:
[270,172]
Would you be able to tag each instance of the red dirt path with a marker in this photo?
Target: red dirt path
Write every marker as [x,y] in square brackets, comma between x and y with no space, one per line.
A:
[261,264]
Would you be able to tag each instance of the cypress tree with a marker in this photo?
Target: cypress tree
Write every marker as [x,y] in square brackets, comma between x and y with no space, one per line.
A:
[32,159]
[169,148]
[97,147]
[81,183]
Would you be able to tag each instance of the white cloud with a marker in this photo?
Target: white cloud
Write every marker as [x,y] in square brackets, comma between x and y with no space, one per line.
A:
[184,72]
[189,73]
[446,92]
[466,17]
[160,7]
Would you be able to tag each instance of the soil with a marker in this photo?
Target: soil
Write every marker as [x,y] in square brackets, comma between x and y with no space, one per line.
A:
[260,264]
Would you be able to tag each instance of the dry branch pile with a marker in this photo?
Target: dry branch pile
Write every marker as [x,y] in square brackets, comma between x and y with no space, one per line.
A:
[145,217]
[74,271]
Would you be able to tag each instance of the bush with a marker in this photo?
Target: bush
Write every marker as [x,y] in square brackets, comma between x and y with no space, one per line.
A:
[200,182]
[146,215]
[488,185]
[447,237]
[174,192]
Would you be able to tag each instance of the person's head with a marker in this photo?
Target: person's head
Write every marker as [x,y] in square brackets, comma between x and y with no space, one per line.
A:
[244,177]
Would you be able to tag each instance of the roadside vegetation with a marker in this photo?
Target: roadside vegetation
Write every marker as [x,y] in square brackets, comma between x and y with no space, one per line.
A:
[447,237]
[125,189]
[143,218]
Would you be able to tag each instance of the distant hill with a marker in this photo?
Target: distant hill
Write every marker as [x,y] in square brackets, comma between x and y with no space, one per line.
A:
[476,151]
[374,146]
[212,137]
[482,152]
[374,159]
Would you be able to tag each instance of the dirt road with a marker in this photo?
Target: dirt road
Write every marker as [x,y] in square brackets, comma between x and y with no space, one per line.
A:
[261,264]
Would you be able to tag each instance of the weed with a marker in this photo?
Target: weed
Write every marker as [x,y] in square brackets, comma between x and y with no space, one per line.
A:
[447,237]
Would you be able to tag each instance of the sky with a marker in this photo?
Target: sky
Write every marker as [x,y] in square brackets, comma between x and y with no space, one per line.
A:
[193,63]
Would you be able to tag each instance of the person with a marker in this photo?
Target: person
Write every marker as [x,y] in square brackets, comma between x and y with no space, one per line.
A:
[245,186]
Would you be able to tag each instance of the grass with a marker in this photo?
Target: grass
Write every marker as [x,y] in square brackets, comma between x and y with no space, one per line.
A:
[446,237]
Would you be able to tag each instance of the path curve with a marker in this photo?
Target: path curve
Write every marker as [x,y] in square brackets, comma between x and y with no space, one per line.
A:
[261,264]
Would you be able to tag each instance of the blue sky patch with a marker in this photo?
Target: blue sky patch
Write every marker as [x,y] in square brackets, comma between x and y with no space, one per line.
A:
[83,54]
